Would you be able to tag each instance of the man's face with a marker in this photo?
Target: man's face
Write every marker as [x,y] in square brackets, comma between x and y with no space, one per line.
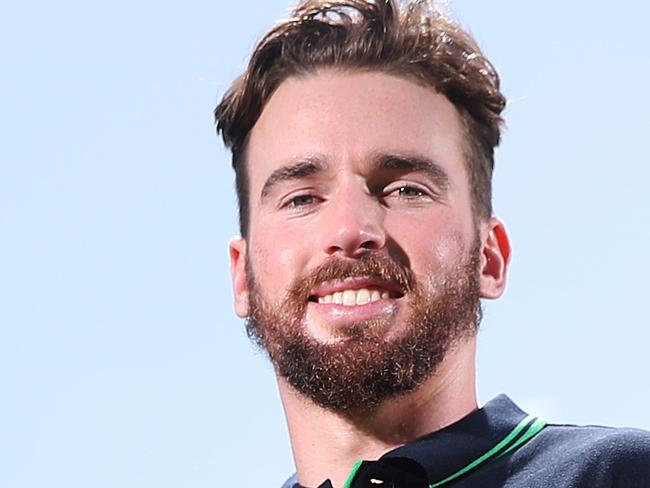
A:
[363,263]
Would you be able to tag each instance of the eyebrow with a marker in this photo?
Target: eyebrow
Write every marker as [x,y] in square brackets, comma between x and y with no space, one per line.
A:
[409,163]
[301,169]
[391,162]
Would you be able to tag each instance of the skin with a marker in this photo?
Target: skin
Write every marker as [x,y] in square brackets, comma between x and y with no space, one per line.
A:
[343,123]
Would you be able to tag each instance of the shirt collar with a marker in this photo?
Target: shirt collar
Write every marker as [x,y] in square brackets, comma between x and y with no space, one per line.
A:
[448,450]
[445,451]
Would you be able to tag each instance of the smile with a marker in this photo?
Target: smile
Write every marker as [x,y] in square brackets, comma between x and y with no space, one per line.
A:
[353,292]
[354,297]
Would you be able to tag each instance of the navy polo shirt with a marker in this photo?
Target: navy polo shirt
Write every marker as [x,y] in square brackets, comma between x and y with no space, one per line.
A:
[499,445]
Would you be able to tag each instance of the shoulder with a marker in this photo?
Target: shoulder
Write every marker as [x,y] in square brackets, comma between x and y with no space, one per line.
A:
[602,441]
[593,455]
[291,482]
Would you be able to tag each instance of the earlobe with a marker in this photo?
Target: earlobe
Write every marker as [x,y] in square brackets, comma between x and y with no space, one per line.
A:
[238,274]
[495,258]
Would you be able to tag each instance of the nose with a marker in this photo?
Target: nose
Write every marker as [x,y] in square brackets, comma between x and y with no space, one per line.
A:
[354,224]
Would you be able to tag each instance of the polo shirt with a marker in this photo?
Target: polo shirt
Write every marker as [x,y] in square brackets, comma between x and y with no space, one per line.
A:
[500,445]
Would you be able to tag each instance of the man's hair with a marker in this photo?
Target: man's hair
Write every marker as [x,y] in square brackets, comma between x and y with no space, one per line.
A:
[409,39]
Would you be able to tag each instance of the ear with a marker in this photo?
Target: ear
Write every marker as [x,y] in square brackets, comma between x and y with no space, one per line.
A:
[495,256]
[237,249]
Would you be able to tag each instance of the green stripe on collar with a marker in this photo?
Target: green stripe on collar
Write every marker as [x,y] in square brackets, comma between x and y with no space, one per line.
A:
[525,430]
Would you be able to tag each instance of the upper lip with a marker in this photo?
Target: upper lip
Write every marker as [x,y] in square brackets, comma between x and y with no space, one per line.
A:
[354,283]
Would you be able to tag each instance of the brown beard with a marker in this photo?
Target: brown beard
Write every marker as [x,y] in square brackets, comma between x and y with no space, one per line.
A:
[366,367]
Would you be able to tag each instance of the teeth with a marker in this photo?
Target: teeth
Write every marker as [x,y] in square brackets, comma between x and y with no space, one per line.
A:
[354,297]
[363,297]
[349,297]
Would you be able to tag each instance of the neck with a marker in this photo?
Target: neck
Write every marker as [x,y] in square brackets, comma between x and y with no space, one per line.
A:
[326,444]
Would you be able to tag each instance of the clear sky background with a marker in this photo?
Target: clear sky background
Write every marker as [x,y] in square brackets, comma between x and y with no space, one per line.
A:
[121,361]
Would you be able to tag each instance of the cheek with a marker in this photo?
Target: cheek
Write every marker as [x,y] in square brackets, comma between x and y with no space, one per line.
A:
[278,259]
[448,250]
[429,241]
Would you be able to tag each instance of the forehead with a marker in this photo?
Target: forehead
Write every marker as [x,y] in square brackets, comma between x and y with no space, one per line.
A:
[344,117]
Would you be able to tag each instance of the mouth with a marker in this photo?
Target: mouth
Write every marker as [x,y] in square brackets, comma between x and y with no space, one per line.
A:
[372,303]
[355,292]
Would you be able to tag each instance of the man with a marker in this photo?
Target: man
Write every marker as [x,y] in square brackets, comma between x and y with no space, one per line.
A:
[363,136]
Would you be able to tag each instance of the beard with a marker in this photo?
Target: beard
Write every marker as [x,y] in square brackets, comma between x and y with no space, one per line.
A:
[366,366]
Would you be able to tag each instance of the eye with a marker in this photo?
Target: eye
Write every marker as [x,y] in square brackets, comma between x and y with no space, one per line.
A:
[299,201]
[410,192]
[405,191]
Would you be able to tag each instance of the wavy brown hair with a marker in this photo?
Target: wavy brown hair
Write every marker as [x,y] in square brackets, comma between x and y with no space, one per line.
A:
[409,39]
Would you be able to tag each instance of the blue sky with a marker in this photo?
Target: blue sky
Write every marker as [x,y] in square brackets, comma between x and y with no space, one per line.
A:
[121,361]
